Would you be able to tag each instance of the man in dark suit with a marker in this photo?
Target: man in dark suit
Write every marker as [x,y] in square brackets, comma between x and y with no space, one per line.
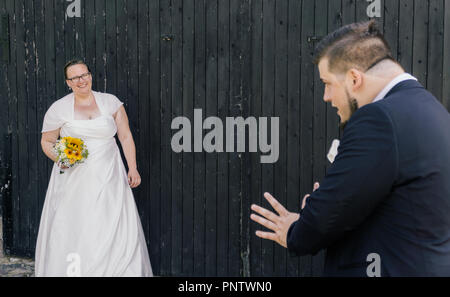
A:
[383,208]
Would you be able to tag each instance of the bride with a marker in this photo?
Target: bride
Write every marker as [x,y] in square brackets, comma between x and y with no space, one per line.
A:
[90,225]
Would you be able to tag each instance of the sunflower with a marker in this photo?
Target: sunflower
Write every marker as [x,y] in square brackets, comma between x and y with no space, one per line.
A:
[75,144]
[77,141]
[67,139]
[77,155]
[69,153]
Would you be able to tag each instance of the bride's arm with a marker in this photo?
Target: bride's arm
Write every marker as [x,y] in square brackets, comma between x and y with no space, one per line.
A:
[128,146]
[48,140]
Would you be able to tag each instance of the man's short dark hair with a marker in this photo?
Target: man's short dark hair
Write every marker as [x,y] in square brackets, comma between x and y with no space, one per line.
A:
[358,45]
[72,63]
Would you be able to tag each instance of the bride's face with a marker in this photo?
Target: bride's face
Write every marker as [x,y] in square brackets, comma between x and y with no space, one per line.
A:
[82,83]
[336,93]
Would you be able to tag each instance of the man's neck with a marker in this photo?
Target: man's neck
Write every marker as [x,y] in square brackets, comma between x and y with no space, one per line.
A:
[377,83]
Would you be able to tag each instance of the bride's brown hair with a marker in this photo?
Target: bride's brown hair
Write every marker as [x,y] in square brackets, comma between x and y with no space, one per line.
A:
[72,63]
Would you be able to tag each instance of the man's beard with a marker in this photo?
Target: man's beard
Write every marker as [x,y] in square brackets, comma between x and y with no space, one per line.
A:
[353,106]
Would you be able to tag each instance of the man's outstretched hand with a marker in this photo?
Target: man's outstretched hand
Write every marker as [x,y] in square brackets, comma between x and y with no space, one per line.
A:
[280,223]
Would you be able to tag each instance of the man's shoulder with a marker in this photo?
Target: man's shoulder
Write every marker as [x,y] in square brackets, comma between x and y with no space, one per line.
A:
[373,114]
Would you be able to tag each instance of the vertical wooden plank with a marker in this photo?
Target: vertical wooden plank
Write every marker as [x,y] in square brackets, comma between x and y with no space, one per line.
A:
[223,86]
[268,79]
[361,10]
[293,124]
[420,41]
[79,31]
[348,11]
[28,199]
[280,111]
[20,218]
[166,154]
[188,158]
[133,62]
[320,123]
[199,157]
[100,48]
[306,114]
[391,25]
[50,76]
[4,112]
[90,36]
[211,26]
[435,48]
[143,154]
[177,159]
[245,57]
[446,60]
[41,108]
[59,14]
[69,33]
[133,74]
[5,143]
[235,158]
[111,47]
[122,51]
[9,219]
[405,34]
[154,222]
[255,110]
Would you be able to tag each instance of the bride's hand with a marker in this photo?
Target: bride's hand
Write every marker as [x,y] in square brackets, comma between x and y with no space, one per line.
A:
[61,166]
[134,179]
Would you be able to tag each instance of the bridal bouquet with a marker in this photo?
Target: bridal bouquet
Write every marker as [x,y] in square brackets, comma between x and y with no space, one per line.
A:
[70,151]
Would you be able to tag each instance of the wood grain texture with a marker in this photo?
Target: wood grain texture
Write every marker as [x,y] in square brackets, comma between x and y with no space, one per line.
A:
[229,58]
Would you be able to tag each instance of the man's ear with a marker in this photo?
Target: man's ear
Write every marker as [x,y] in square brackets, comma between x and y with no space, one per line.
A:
[355,79]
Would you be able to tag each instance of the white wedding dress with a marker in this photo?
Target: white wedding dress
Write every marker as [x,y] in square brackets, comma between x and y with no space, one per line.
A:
[90,225]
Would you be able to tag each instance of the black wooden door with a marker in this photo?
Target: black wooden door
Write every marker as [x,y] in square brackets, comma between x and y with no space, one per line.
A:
[167,58]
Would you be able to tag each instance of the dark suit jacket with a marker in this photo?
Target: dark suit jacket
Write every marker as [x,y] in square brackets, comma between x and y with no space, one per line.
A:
[387,192]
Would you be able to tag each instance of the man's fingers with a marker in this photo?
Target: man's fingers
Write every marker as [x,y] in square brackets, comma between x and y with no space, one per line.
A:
[266,223]
[267,235]
[275,204]
[304,200]
[265,213]
[316,186]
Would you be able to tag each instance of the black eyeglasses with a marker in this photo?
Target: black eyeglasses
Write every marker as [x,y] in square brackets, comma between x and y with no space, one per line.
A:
[76,79]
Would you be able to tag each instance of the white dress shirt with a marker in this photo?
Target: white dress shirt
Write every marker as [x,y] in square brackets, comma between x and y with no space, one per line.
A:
[398,79]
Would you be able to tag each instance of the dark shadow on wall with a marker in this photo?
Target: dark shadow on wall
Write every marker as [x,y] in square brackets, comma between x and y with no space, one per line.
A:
[5,193]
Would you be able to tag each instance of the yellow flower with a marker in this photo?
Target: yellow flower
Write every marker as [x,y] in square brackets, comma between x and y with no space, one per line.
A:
[75,144]
[77,155]
[72,161]
[76,141]
[69,153]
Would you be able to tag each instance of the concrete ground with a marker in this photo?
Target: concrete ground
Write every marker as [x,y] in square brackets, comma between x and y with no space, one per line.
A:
[16,267]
